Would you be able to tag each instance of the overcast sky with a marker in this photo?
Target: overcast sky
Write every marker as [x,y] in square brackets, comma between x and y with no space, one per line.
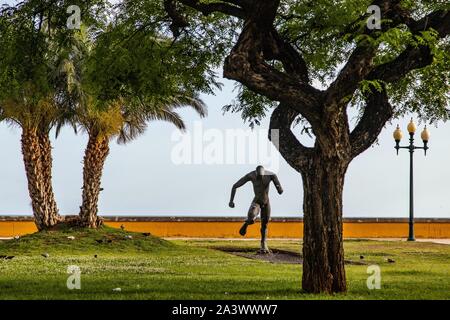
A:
[145,177]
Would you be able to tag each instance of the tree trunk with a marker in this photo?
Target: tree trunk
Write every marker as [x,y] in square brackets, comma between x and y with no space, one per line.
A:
[47,164]
[94,159]
[323,251]
[39,178]
[323,169]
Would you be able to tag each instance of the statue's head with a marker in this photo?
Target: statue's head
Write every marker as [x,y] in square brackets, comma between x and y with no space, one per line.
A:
[260,171]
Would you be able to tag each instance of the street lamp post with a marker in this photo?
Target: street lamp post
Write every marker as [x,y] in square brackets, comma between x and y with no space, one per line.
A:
[425,135]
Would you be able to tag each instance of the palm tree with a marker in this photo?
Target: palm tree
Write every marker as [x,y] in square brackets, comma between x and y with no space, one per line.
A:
[35,120]
[32,97]
[118,88]
[124,120]
[36,81]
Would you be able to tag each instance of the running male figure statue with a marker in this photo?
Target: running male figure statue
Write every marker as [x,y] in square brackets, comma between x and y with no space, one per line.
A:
[260,179]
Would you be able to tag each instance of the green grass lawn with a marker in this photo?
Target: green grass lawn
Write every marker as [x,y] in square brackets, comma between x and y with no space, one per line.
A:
[145,267]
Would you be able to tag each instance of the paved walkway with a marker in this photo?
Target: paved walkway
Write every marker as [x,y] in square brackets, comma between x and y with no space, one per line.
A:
[441,241]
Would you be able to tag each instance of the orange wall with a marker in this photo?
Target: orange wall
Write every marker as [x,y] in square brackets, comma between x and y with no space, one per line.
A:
[230,229]
[16,228]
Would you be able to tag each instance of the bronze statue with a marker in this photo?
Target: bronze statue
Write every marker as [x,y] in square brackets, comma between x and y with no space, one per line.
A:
[260,179]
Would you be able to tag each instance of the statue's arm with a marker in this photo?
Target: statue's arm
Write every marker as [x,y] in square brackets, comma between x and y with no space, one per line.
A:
[277,183]
[238,184]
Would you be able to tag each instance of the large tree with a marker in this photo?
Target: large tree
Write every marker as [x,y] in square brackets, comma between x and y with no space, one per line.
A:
[281,47]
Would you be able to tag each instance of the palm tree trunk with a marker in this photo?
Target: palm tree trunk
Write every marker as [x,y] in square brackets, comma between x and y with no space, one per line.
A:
[47,163]
[36,150]
[95,156]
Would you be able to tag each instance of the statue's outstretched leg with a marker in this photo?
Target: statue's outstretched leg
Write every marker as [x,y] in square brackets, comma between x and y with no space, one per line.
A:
[253,212]
[265,217]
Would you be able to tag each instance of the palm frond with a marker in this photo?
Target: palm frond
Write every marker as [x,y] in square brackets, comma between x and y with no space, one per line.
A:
[168,116]
[182,100]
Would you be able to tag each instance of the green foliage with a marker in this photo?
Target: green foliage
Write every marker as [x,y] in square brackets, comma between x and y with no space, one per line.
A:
[426,91]
[368,86]
[423,7]
[143,64]
[190,54]
[25,76]
[317,28]
[129,77]
[326,32]
[139,53]
[34,70]
[111,77]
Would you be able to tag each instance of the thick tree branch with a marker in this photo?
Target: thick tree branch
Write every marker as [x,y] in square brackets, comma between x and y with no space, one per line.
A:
[178,20]
[282,137]
[293,63]
[438,20]
[392,15]
[360,62]
[259,43]
[347,82]
[377,112]
[412,57]
[247,65]
[229,7]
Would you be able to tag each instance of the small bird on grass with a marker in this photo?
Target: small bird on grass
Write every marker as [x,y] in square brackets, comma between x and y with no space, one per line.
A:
[95,256]
[147,234]
[45,255]
[390,260]
[361,257]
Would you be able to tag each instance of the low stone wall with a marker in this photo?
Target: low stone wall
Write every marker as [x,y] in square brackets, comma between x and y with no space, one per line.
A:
[227,227]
